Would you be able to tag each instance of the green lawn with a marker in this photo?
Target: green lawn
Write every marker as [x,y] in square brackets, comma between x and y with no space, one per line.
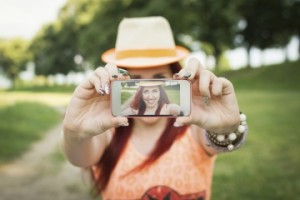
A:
[46,97]
[21,124]
[267,166]
[25,116]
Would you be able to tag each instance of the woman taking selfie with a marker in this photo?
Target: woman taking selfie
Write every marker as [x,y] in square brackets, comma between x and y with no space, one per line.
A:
[151,157]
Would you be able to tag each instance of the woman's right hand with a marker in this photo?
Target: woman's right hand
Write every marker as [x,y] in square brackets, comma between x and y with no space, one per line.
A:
[89,112]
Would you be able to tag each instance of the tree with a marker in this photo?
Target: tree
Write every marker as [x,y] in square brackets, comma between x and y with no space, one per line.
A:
[14,56]
[264,24]
[214,23]
[291,14]
[89,28]
[56,45]
[205,21]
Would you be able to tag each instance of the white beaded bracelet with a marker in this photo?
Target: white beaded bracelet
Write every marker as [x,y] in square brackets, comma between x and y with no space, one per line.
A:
[231,139]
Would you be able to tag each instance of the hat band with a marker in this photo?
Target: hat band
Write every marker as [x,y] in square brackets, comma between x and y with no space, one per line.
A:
[145,53]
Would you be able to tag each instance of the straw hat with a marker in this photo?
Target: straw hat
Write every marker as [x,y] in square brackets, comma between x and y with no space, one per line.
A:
[144,42]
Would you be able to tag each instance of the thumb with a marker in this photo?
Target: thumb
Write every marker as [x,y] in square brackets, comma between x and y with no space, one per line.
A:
[182,121]
[113,122]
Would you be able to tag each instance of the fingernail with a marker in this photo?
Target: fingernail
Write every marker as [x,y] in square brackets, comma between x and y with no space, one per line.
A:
[106,88]
[187,75]
[123,72]
[206,100]
[176,124]
[101,91]
[176,75]
[114,76]
[124,124]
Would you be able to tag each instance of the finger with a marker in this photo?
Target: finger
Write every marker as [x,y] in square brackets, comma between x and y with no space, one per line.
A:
[217,87]
[93,82]
[113,122]
[194,66]
[112,71]
[227,87]
[103,75]
[190,70]
[182,121]
[205,79]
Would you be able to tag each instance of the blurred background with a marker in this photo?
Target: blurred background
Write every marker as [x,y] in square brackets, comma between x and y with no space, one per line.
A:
[48,47]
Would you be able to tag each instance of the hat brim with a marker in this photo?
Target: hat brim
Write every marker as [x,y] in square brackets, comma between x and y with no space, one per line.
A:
[144,62]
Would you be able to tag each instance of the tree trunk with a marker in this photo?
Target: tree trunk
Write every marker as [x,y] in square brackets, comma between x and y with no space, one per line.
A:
[13,79]
[248,49]
[217,54]
[286,54]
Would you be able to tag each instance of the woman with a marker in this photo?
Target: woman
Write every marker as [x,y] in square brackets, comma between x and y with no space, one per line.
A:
[151,157]
[151,99]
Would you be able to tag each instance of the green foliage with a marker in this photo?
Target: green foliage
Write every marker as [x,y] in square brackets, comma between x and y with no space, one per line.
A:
[174,96]
[125,95]
[214,22]
[21,124]
[88,28]
[14,56]
[57,44]
[267,23]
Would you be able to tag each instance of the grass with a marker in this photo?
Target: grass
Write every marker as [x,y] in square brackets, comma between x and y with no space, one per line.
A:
[267,165]
[21,124]
[273,77]
[46,97]
[44,88]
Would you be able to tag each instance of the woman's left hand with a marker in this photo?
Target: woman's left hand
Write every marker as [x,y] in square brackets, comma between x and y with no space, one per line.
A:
[214,105]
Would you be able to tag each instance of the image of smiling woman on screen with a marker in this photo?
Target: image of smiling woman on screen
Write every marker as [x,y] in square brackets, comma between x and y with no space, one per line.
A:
[151,99]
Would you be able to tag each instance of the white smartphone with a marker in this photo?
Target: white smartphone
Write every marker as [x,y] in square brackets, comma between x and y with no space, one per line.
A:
[151,98]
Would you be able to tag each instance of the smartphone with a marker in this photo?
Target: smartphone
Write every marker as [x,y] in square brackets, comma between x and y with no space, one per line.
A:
[151,98]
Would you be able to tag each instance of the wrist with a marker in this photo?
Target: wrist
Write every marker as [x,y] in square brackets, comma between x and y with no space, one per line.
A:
[231,140]
[74,134]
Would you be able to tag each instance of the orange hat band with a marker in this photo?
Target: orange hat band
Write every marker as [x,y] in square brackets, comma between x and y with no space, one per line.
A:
[146,53]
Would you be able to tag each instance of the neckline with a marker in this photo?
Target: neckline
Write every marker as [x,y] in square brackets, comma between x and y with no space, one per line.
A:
[135,150]
[143,156]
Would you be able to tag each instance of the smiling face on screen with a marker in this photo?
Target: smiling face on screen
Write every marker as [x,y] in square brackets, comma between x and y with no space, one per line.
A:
[151,95]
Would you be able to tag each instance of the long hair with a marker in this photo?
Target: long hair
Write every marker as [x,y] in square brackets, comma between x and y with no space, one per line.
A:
[101,172]
[138,103]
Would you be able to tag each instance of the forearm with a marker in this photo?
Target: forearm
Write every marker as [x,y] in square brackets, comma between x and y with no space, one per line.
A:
[82,152]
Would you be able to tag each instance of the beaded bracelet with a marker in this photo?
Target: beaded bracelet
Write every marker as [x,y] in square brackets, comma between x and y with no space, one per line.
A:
[231,139]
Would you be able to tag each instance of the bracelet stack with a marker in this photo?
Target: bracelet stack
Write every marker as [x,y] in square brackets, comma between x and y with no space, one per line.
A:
[229,140]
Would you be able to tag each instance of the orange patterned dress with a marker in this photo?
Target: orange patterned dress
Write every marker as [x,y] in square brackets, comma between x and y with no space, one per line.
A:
[183,172]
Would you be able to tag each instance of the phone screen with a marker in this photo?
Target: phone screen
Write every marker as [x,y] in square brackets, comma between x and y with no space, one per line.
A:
[150,97]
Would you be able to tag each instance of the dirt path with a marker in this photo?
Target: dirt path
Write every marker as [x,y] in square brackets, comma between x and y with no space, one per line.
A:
[35,176]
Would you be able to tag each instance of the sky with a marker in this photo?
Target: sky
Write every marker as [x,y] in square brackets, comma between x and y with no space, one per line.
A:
[23,18]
